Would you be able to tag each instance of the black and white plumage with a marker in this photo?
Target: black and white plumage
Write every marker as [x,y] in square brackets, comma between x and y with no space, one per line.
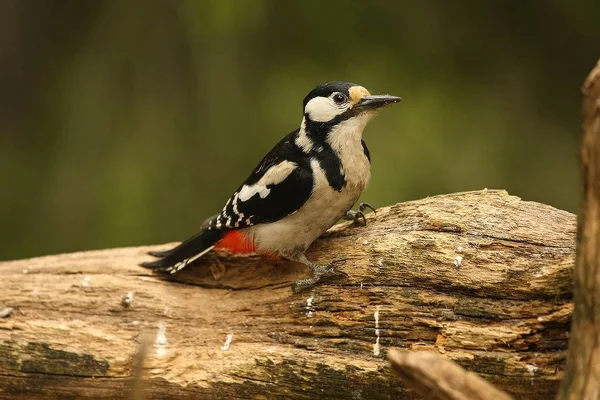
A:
[306,183]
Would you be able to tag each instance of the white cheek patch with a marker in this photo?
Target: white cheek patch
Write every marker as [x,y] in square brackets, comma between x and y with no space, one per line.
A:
[274,175]
[322,109]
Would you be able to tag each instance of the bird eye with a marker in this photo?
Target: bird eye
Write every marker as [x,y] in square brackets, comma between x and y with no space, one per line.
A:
[340,98]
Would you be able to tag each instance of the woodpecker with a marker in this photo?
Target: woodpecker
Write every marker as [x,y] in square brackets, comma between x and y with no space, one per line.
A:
[301,188]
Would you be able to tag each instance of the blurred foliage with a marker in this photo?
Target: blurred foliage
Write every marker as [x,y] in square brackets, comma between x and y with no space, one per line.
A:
[129,122]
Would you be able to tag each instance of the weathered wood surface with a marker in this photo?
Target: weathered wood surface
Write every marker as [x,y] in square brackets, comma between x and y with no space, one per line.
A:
[503,313]
[582,380]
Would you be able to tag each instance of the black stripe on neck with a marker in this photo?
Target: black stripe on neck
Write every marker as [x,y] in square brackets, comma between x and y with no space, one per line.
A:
[328,159]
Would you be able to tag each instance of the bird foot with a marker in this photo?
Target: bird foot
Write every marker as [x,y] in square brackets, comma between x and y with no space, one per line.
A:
[359,216]
[319,272]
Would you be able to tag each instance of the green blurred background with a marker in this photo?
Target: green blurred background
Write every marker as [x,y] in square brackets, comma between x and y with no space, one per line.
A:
[128,122]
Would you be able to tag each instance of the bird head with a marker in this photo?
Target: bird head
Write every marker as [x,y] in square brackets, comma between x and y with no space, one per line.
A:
[335,102]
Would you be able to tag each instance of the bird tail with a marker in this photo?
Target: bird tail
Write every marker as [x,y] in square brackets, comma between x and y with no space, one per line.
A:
[179,257]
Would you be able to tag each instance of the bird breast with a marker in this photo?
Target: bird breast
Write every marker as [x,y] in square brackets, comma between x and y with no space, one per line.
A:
[345,141]
[324,208]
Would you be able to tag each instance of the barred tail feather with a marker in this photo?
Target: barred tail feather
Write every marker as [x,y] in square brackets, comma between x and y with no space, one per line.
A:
[179,257]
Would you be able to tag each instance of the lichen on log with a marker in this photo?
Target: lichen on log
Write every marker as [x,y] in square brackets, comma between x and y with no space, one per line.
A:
[482,278]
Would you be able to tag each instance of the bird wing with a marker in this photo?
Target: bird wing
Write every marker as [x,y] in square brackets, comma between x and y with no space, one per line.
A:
[278,186]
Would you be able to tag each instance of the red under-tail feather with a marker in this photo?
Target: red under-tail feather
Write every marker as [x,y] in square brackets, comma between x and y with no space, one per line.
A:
[236,242]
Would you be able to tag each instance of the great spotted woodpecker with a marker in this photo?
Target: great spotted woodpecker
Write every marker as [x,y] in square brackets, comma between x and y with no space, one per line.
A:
[301,188]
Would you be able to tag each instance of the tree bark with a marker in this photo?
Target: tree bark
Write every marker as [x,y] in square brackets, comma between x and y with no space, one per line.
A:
[482,278]
[582,380]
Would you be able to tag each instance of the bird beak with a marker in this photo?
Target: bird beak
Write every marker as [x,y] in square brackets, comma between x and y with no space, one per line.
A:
[377,101]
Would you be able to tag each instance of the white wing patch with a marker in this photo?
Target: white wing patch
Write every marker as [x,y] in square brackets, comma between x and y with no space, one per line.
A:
[249,191]
[274,175]
[231,216]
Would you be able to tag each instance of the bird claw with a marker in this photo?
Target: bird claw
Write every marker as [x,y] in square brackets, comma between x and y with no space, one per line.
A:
[364,206]
[328,270]
[319,272]
[358,217]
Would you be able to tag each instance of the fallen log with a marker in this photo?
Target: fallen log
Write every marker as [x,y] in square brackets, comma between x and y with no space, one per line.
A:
[482,278]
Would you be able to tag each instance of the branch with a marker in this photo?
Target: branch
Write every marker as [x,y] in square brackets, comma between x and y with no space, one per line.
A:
[481,278]
[434,377]
[582,380]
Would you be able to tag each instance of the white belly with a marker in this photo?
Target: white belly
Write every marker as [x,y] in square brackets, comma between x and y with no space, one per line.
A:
[293,234]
